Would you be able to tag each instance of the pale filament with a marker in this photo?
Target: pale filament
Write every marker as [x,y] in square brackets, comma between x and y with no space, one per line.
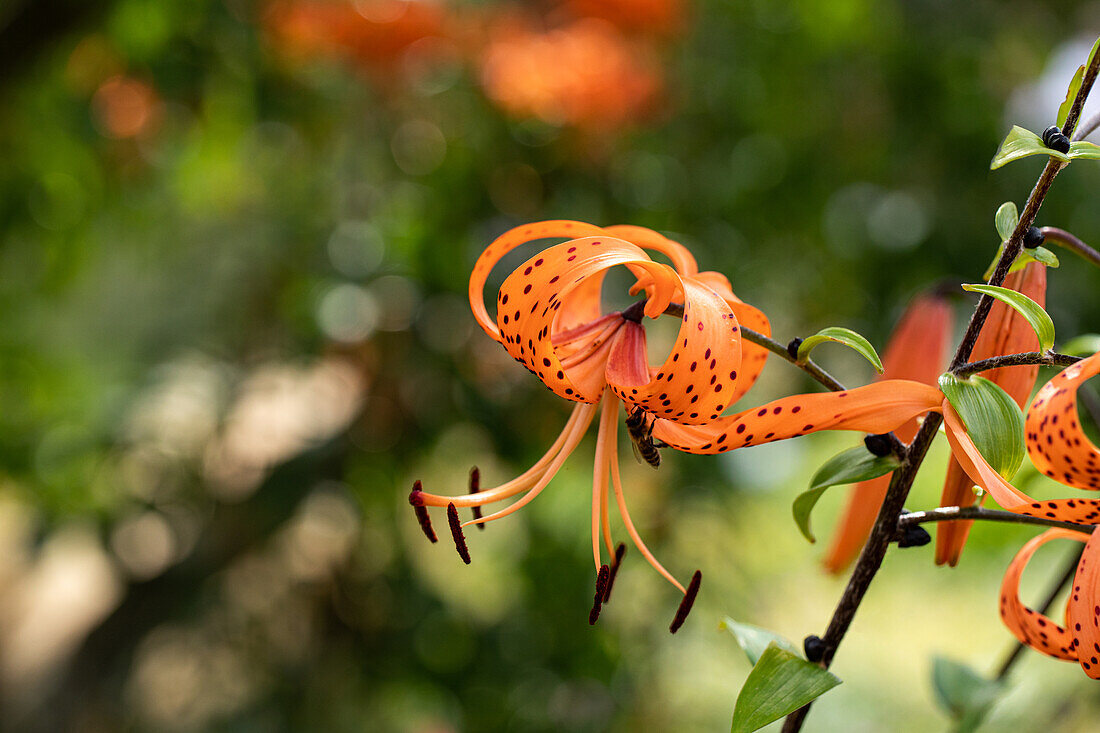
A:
[609,413]
[616,482]
[518,484]
[586,413]
[577,333]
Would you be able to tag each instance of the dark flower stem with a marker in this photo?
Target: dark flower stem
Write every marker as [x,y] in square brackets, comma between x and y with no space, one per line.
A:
[1049,358]
[956,513]
[870,560]
[1072,243]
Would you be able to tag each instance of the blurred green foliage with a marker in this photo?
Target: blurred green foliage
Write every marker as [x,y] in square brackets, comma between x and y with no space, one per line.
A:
[233,284]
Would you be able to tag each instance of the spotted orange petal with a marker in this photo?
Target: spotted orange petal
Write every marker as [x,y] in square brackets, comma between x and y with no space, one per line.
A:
[1081,511]
[695,382]
[916,350]
[753,356]
[531,296]
[1056,443]
[681,257]
[504,244]
[1034,629]
[874,408]
[1083,608]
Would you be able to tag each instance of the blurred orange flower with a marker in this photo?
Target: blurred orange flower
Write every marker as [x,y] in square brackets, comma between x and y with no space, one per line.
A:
[651,16]
[1005,332]
[372,33]
[917,350]
[124,107]
[585,74]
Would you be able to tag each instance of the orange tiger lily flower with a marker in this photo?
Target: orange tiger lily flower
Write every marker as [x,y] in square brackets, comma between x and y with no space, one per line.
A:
[1005,332]
[549,319]
[1056,444]
[917,350]
[1079,639]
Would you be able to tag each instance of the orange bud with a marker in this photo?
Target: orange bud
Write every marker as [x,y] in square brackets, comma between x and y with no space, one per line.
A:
[917,351]
[1005,332]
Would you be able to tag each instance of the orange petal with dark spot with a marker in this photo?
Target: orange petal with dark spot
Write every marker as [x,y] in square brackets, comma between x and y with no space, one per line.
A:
[1083,608]
[504,244]
[1034,629]
[1056,442]
[874,408]
[531,296]
[695,382]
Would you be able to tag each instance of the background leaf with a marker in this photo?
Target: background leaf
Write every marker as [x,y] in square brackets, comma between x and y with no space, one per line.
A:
[1086,344]
[1006,220]
[754,640]
[844,336]
[963,693]
[1020,143]
[1034,313]
[780,683]
[992,419]
[855,464]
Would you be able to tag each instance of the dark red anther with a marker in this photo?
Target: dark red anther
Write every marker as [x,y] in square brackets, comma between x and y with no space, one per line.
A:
[601,588]
[619,552]
[685,605]
[421,511]
[475,486]
[456,532]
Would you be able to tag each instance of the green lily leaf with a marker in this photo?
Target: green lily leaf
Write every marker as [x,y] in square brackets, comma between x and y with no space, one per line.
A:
[844,336]
[1020,143]
[1042,255]
[1084,149]
[855,464]
[1006,220]
[754,640]
[963,693]
[1086,344]
[992,419]
[1074,86]
[1038,318]
[780,683]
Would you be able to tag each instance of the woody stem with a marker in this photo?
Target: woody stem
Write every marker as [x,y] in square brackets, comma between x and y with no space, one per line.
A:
[1049,358]
[1072,243]
[870,560]
[958,513]
[809,366]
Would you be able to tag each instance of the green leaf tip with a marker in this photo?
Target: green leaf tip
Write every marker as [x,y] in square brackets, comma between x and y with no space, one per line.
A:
[992,419]
[851,466]
[1033,313]
[754,639]
[780,683]
[1005,220]
[844,336]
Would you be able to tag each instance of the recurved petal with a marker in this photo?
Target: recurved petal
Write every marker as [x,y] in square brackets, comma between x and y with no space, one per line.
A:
[1083,609]
[504,244]
[1056,442]
[874,408]
[530,298]
[1081,511]
[681,258]
[1007,332]
[1034,629]
[697,378]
